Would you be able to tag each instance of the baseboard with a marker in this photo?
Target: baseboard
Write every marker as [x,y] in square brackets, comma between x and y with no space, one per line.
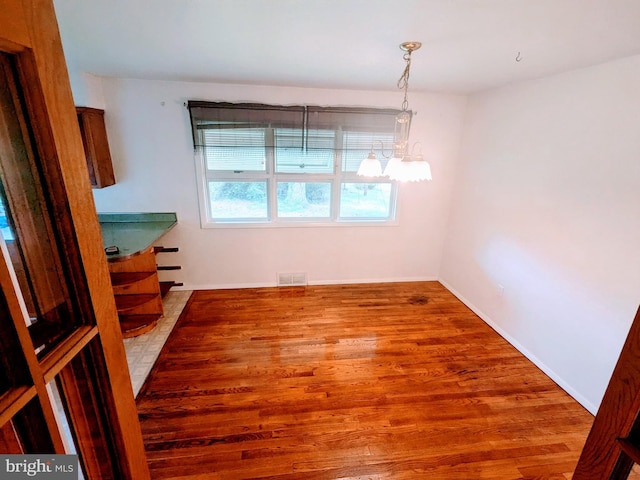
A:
[374,280]
[226,286]
[531,357]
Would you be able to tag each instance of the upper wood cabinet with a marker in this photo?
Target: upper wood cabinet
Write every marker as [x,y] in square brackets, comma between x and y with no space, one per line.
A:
[96,146]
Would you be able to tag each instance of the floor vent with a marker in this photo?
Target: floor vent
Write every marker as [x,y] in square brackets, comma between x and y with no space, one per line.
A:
[292,279]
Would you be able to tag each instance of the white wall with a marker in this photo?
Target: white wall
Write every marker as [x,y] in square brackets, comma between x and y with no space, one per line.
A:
[547,204]
[150,140]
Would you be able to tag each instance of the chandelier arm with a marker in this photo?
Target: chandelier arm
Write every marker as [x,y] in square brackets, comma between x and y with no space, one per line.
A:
[381,149]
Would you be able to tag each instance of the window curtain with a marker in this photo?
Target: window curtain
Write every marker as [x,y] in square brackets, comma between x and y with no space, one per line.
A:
[303,127]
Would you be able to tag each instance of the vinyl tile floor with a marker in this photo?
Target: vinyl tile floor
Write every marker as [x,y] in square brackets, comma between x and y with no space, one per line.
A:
[142,351]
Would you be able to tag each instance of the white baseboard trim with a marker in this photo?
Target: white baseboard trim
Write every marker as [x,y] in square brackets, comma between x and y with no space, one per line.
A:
[374,280]
[226,286]
[518,346]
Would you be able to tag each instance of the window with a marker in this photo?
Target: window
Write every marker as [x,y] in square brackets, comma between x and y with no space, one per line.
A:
[276,165]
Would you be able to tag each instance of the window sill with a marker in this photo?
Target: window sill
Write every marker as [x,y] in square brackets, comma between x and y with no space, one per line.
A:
[294,224]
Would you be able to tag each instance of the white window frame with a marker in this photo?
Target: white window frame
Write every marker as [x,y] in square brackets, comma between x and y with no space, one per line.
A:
[271,177]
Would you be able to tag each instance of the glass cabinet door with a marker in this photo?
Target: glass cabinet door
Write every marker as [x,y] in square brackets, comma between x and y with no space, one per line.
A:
[26,227]
[60,341]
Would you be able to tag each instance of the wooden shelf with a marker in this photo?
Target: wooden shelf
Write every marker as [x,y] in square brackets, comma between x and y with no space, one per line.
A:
[137,292]
[134,325]
[123,279]
[125,303]
[166,286]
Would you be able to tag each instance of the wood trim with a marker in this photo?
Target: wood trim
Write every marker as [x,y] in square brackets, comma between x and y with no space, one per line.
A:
[603,456]
[9,442]
[17,314]
[13,20]
[33,426]
[40,259]
[82,225]
[82,238]
[84,400]
[629,448]
[12,401]
[30,28]
[69,348]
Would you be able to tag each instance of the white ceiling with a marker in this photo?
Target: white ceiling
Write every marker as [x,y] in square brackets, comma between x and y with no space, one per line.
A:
[468,45]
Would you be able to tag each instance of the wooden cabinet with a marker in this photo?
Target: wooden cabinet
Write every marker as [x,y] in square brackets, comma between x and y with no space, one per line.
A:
[96,146]
[137,292]
[87,365]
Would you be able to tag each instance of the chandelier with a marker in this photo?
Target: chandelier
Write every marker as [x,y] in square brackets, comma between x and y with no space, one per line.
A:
[402,165]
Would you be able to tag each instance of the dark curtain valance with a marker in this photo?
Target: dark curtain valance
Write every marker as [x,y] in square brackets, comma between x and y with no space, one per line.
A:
[241,115]
[356,119]
[303,119]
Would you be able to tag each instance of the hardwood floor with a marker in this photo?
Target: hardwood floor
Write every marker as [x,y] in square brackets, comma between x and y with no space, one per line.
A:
[367,381]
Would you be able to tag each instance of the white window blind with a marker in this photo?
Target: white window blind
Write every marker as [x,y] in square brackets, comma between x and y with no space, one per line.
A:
[300,151]
[235,149]
[288,165]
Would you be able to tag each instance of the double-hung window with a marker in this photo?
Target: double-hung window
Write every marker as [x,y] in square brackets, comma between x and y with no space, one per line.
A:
[287,165]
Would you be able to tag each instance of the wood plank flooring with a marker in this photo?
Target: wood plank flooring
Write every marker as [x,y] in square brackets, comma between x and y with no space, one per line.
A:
[366,381]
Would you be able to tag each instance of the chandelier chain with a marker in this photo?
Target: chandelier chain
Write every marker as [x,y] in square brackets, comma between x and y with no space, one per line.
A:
[403,81]
[403,165]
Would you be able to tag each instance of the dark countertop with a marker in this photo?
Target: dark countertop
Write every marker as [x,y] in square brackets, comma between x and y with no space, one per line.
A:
[133,233]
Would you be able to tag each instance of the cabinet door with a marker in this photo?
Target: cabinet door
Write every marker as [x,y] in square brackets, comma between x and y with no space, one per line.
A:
[96,146]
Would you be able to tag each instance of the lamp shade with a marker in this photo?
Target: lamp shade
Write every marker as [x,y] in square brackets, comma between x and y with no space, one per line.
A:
[421,170]
[408,170]
[392,165]
[370,167]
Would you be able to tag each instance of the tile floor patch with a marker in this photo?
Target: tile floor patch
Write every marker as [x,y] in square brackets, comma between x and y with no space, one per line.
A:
[142,351]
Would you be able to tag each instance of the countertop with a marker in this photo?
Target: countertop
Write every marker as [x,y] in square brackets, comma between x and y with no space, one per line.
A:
[133,233]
